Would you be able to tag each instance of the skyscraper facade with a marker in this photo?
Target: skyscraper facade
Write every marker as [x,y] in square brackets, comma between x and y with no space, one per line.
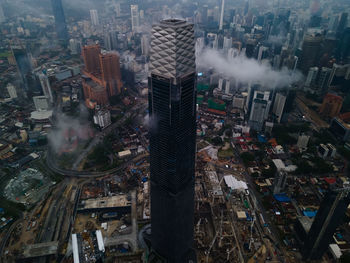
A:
[94,17]
[91,58]
[110,70]
[310,53]
[327,219]
[135,19]
[60,20]
[172,107]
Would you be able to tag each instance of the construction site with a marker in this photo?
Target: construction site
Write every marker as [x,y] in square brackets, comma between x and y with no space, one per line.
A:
[228,225]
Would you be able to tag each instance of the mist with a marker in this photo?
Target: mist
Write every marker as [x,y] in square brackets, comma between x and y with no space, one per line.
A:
[245,70]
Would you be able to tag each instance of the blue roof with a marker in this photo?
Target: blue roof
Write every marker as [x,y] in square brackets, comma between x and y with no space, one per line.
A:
[261,138]
[282,198]
[310,213]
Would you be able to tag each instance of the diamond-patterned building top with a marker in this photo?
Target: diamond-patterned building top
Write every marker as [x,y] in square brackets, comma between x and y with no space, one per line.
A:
[172,48]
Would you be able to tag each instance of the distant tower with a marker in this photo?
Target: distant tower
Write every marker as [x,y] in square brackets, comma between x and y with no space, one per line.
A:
[145,45]
[327,219]
[60,20]
[2,15]
[172,109]
[94,17]
[135,19]
[222,14]
[23,64]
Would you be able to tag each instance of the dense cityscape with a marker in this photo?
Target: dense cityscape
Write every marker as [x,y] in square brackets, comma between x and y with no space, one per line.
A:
[174,131]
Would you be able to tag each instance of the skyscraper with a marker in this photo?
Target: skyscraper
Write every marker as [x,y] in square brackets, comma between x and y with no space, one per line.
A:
[94,17]
[327,219]
[91,58]
[172,108]
[278,106]
[60,20]
[23,64]
[310,53]
[110,70]
[222,14]
[260,110]
[135,19]
[2,15]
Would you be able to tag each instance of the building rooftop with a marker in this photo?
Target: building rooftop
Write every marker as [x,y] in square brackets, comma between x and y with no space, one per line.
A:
[106,202]
[41,249]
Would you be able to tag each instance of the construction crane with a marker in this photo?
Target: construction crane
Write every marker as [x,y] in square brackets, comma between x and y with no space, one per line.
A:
[213,241]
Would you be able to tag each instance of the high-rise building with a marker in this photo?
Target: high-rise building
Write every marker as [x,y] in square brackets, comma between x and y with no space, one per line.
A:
[222,14]
[280,182]
[327,219]
[110,70]
[23,64]
[259,110]
[278,106]
[2,15]
[172,108]
[323,79]
[91,58]
[60,20]
[310,52]
[311,77]
[46,87]
[303,141]
[103,118]
[74,46]
[41,103]
[331,105]
[103,72]
[145,45]
[94,17]
[135,19]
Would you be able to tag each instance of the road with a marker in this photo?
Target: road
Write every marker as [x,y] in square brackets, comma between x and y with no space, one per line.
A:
[97,139]
[7,236]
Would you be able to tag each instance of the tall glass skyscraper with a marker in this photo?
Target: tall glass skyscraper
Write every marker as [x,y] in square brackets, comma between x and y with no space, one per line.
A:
[172,107]
[60,20]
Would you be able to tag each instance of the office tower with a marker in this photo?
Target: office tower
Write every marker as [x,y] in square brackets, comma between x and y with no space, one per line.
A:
[311,77]
[323,79]
[342,24]
[60,20]
[328,218]
[135,23]
[172,109]
[91,58]
[23,65]
[74,46]
[222,14]
[310,52]
[94,17]
[227,44]
[259,110]
[278,107]
[145,45]
[46,87]
[331,105]
[280,181]
[227,87]
[110,70]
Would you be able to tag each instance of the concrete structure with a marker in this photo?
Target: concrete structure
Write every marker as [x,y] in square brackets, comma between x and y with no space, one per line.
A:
[278,107]
[135,18]
[40,250]
[331,105]
[94,17]
[75,248]
[172,108]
